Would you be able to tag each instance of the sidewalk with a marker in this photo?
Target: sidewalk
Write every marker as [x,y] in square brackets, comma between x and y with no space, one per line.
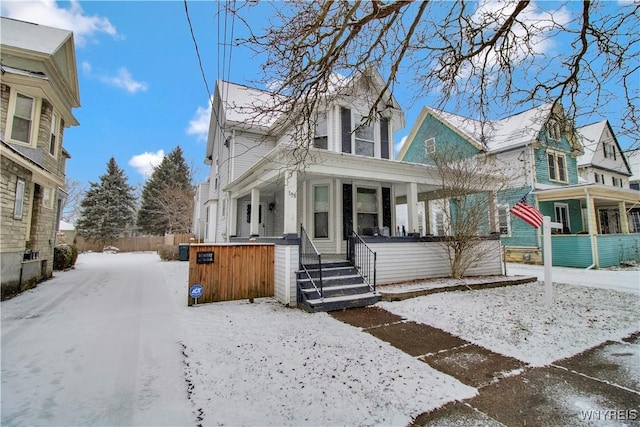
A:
[600,385]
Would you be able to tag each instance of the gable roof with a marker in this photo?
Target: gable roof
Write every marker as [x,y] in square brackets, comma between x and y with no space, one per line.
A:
[590,136]
[32,37]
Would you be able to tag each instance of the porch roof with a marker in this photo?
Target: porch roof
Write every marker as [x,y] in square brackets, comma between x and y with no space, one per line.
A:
[581,191]
[322,163]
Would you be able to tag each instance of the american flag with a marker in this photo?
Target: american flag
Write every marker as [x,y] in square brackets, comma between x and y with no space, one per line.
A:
[527,213]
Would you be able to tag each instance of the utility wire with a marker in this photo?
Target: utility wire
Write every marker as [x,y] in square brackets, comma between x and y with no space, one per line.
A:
[195,44]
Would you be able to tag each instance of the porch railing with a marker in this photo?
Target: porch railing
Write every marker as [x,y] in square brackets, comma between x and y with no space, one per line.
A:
[309,256]
[363,259]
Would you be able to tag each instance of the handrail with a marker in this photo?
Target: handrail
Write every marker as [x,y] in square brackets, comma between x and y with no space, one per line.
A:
[308,255]
[363,259]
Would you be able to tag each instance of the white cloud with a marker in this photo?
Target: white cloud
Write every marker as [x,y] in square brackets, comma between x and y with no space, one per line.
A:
[145,162]
[124,80]
[86,67]
[199,125]
[48,12]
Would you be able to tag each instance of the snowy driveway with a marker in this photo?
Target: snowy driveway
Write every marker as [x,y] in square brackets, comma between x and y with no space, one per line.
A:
[98,345]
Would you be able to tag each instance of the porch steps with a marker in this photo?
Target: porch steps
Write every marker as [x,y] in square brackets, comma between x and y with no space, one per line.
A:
[342,287]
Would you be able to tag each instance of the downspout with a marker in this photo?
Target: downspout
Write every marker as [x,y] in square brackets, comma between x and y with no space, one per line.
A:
[227,200]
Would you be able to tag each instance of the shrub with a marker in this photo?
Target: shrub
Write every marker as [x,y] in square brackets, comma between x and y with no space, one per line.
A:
[74,255]
[63,257]
[168,252]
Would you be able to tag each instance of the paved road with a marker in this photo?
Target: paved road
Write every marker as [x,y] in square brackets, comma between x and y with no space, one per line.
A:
[98,345]
[617,280]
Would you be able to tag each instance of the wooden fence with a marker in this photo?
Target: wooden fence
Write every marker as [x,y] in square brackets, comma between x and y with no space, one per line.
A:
[231,272]
[136,244]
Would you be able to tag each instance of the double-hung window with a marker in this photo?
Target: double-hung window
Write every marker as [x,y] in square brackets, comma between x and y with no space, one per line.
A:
[554,130]
[54,134]
[19,206]
[367,209]
[22,118]
[364,137]
[557,167]
[504,223]
[320,139]
[609,151]
[321,211]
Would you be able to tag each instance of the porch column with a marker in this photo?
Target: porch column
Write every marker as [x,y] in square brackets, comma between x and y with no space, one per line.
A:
[494,224]
[592,229]
[624,224]
[290,202]
[254,226]
[412,207]
[233,218]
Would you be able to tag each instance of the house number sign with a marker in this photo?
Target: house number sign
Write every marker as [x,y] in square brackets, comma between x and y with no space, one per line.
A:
[204,257]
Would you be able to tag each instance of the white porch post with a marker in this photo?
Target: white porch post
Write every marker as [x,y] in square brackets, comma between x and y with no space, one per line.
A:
[412,207]
[290,202]
[494,225]
[232,218]
[624,224]
[592,229]
[254,227]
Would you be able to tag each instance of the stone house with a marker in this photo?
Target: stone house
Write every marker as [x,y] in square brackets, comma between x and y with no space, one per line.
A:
[39,89]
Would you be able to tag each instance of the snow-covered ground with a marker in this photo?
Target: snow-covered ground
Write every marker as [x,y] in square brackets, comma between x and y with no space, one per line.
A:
[113,343]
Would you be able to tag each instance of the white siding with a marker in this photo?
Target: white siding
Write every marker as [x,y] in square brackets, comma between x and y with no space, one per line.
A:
[247,150]
[398,262]
[286,265]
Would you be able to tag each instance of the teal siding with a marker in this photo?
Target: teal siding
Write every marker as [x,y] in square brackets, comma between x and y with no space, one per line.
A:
[571,251]
[542,166]
[575,213]
[615,248]
[445,140]
[522,234]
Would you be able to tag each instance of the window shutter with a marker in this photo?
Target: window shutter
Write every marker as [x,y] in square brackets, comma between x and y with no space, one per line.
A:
[384,138]
[345,115]
[386,208]
[347,210]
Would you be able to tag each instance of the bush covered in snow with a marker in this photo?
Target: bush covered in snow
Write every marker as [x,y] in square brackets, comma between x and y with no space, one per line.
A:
[64,257]
[169,252]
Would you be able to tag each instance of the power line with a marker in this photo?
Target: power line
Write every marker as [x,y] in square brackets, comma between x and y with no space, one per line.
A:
[195,44]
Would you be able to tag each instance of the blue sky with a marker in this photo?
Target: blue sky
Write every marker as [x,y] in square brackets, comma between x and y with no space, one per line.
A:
[141,88]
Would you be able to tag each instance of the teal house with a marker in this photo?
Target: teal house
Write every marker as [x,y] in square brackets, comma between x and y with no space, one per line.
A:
[578,177]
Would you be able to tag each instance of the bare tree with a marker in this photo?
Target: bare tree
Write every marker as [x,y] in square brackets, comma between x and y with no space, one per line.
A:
[469,186]
[489,58]
[175,204]
[75,194]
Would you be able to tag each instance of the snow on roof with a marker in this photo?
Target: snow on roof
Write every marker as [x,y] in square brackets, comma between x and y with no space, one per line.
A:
[511,131]
[65,226]
[33,37]
[589,137]
[243,104]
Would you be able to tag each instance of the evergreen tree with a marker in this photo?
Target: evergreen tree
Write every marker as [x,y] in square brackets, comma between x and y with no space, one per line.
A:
[108,207]
[167,197]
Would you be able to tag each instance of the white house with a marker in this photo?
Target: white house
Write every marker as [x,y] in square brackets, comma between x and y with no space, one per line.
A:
[266,185]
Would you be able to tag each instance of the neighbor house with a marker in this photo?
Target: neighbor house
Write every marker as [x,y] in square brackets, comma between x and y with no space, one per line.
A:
[543,156]
[39,90]
[311,195]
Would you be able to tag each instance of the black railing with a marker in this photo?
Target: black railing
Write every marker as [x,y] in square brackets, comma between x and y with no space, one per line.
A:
[363,259]
[309,257]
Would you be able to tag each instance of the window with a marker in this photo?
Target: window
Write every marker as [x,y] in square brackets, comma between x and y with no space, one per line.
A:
[367,210]
[321,211]
[19,206]
[22,118]
[364,138]
[617,182]
[599,178]
[320,138]
[430,145]
[562,216]
[554,130]
[504,223]
[609,151]
[609,221]
[634,221]
[557,167]
[47,197]
[54,133]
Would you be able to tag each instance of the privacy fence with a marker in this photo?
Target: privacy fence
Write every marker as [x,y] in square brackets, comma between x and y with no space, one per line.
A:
[137,244]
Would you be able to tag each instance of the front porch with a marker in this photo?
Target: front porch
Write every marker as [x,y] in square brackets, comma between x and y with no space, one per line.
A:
[600,224]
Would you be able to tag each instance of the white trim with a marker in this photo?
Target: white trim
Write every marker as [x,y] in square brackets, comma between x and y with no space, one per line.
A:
[564,206]
[35,117]
[18,209]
